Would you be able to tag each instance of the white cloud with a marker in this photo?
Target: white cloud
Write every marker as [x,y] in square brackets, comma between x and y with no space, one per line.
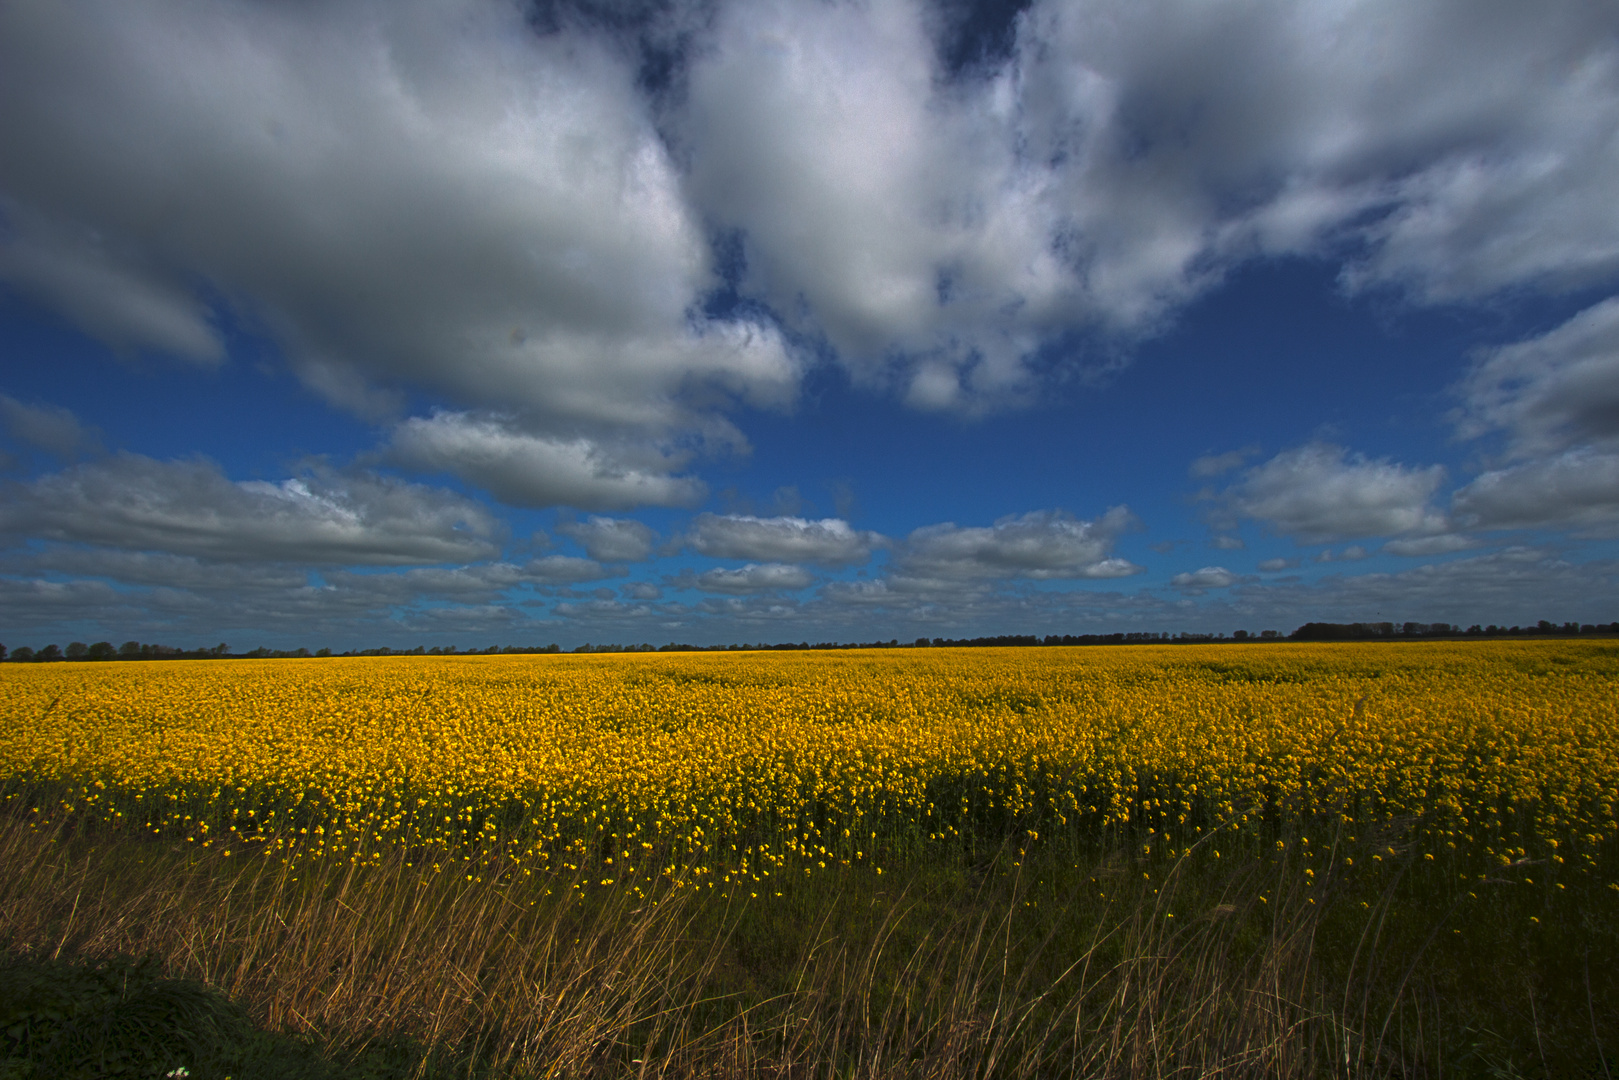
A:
[1227,543]
[610,539]
[191,508]
[1210,577]
[536,470]
[1040,545]
[1431,132]
[755,577]
[416,195]
[48,427]
[1129,154]
[829,541]
[1318,492]
[1578,488]
[405,194]
[1271,566]
[878,207]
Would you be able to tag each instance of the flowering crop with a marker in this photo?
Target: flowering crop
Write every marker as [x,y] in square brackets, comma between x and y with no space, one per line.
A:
[739,766]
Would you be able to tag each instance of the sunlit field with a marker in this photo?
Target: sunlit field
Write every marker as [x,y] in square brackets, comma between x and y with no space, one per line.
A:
[1427,798]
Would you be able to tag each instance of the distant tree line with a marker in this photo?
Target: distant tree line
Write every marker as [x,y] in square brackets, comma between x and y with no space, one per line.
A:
[1323,631]
[1313,631]
[106,650]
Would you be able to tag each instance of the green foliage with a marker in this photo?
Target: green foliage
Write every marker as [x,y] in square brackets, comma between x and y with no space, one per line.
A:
[76,1020]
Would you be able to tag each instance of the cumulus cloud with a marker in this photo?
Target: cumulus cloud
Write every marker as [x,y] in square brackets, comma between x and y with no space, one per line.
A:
[1127,154]
[1513,585]
[1318,492]
[1210,577]
[413,194]
[1423,546]
[755,578]
[525,469]
[1578,488]
[418,195]
[610,539]
[158,569]
[191,508]
[1212,465]
[1040,545]
[111,295]
[1352,553]
[31,604]
[48,427]
[878,209]
[829,541]
[1556,397]
[1552,391]
[1275,127]
[560,569]
[1271,566]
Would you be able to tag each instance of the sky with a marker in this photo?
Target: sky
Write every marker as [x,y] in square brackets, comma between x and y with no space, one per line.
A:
[469,322]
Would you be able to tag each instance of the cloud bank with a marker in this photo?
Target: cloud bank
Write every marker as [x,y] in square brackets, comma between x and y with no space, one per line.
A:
[445,198]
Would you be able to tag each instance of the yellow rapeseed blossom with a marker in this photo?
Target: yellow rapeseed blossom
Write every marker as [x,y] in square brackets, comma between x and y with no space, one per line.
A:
[737,766]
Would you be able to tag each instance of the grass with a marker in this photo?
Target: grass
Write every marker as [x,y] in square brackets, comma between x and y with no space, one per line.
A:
[1071,958]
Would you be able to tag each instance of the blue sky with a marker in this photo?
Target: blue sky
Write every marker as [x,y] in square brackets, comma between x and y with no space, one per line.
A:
[469,323]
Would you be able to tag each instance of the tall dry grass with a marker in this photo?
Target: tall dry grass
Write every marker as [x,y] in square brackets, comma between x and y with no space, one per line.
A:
[1007,971]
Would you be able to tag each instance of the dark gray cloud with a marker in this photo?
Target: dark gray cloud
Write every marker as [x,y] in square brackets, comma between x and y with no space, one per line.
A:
[1554,391]
[1517,585]
[611,539]
[1556,398]
[1577,489]
[158,569]
[829,541]
[525,469]
[1041,545]
[1426,546]
[755,578]
[48,427]
[191,508]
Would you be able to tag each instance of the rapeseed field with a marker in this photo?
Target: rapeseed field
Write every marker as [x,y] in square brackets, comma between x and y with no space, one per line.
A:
[731,770]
